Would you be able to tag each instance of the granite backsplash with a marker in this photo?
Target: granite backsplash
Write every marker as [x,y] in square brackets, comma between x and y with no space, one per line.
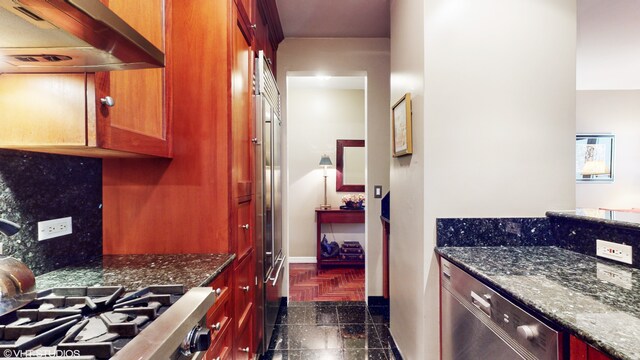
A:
[36,187]
[579,234]
[494,232]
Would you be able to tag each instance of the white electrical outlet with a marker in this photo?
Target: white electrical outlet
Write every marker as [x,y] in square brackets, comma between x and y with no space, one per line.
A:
[54,228]
[614,251]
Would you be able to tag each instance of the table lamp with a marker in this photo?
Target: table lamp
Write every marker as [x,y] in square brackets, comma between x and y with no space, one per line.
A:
[325,162]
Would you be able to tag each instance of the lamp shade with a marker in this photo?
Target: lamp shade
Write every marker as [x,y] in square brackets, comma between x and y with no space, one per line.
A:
[325,160]
[595,167]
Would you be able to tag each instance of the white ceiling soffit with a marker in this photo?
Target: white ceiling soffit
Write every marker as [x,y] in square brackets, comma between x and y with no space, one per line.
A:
[608,45]
[334,18]
[326,82]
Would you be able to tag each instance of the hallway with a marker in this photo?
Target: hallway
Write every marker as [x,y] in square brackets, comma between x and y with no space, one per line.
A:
[307,283]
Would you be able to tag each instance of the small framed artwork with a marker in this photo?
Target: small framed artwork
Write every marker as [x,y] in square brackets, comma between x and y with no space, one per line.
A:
[401,119]
[594,157]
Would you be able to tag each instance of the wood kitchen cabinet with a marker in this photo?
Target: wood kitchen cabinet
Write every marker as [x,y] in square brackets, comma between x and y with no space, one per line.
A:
[139,122]
[64,114]
[220,319]
[579,350]
[203,200]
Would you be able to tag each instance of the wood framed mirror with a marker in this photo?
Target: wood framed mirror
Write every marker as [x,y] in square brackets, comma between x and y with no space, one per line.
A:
[350,165]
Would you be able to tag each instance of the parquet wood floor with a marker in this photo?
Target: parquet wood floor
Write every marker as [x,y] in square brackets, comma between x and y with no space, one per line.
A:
[307,283]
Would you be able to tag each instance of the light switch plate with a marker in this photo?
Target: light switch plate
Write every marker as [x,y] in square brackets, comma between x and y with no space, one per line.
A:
[377,191]
[53,228]
[614,251]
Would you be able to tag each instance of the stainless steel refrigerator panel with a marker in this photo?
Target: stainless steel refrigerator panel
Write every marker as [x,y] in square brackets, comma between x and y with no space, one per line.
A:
[277,186]
[268,174]
[269,254]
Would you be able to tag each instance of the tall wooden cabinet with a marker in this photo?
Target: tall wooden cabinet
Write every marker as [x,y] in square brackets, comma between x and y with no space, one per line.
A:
[203,199]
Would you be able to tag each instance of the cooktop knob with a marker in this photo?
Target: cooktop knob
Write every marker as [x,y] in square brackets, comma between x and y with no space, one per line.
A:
[527,332]
[201,340]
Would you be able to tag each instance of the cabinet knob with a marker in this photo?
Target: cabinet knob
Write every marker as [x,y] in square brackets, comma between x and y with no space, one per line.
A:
[216,327]
[245,349]
[245,226]
[255,141]
[108,101]
[218,291]
[245,288]
[254,26]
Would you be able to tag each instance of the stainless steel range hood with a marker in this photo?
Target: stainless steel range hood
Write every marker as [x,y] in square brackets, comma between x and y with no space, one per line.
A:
[50,36]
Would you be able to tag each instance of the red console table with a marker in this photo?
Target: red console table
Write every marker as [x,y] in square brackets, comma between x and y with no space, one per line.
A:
[336,216]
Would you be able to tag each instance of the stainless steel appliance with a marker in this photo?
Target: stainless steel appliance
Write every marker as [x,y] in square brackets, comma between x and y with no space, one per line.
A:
[70,36]
[478,323]
[157,322]
[271,257]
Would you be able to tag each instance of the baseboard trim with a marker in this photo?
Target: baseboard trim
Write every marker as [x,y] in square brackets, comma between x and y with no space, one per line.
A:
[377,301]
[302,260]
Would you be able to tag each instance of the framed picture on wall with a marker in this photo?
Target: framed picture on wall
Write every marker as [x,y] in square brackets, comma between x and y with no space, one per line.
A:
[401,127]
[594,157]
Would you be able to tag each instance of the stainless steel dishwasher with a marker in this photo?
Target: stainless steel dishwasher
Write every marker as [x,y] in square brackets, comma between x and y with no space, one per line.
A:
[478,323]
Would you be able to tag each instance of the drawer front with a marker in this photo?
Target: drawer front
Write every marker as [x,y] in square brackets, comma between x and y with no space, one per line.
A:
[244,289]
[222,348]
[220,318]
[243,349]
[222,285]
[244,230]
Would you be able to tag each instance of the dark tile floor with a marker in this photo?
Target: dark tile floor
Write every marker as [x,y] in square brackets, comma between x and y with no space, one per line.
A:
[332,331]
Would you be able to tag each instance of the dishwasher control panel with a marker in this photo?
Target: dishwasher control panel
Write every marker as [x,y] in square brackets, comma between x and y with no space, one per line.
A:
[530,337]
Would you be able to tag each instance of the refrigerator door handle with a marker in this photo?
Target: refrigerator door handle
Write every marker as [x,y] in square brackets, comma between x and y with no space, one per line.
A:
[275,279]
[267,277]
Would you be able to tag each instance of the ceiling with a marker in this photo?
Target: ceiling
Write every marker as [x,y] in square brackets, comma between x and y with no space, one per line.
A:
[334,18]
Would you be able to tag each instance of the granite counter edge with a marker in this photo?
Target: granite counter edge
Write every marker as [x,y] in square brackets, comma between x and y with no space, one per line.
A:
[218,271]
[564,326]
[594,220]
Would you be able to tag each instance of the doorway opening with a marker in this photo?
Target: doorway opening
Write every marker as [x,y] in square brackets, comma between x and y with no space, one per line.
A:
[326,177]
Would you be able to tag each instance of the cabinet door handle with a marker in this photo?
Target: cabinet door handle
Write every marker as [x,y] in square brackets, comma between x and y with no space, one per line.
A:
[245,349]
[218,291]
[216,327]
[255,141]
[108,101]
[245,288]
[245,226]
[254,26]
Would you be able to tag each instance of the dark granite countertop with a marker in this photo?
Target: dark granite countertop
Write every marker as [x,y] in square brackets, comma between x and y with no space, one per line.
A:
[617,218]
[567,288]
[137,271]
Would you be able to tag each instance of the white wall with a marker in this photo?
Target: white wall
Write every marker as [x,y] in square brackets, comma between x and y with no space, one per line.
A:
[345,56]
[608,51]
[496,120]
[407,239]
[616,112]
[316,118]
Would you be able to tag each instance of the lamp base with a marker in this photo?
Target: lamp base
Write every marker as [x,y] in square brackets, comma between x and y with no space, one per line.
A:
[325,207]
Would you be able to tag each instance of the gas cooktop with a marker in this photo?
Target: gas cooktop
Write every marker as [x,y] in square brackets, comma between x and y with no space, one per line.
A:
[98,322]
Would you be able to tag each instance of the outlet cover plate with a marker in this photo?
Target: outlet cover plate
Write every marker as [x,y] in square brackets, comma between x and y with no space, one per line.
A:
[54,228]
[614,251]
